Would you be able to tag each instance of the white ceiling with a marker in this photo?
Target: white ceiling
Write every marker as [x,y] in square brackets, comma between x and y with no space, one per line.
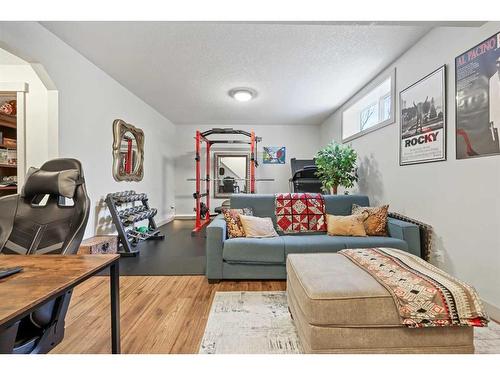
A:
[302,72]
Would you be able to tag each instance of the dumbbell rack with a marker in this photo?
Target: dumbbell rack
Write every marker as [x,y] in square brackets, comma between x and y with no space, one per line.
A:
[124,219]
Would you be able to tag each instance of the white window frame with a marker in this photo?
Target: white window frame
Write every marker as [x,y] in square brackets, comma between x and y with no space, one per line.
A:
[377,107]
[361,94]
[381,106]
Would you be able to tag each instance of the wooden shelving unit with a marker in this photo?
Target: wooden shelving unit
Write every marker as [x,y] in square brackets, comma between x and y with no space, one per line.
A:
[8,121]
[8,129]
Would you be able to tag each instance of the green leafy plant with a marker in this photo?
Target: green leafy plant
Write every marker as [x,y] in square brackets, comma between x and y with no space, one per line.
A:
[336,166]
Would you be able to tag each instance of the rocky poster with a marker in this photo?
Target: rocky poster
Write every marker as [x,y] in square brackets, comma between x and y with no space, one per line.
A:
[477,78]
[423,120]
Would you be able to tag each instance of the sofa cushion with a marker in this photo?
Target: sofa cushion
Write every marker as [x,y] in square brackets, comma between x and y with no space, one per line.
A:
[254,250]
[262,205]
[325,244]
[373,241]
[313,243]
[342,204]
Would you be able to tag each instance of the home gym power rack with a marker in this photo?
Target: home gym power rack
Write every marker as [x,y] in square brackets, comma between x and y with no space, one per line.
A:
[129,239]
[202,209]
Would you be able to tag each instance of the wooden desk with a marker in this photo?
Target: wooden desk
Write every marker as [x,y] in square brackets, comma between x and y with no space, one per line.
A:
[45,277]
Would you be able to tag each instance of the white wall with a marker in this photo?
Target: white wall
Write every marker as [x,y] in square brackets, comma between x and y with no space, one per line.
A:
[13,69]
[459,198]
[301,141]
[89,101]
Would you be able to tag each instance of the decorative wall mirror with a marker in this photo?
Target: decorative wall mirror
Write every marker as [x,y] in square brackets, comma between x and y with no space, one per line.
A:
[128,152]
[232,173]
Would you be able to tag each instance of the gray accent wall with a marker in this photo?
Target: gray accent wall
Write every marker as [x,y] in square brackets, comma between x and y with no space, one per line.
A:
[459,198]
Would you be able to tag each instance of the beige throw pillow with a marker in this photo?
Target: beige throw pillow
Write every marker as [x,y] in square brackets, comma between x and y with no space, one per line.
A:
[257,227]
[352,225]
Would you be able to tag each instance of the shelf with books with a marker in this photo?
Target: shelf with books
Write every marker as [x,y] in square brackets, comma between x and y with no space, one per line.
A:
[8,121]
[8,158]
[3,145]
[8,144]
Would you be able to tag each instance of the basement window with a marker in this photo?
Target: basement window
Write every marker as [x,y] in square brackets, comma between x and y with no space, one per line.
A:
[370,109]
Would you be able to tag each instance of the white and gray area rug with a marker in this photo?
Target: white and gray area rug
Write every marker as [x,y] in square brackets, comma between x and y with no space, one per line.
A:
[259,323]
[250,323]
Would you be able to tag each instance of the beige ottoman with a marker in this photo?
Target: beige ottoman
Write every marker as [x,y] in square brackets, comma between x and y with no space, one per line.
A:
[339,308]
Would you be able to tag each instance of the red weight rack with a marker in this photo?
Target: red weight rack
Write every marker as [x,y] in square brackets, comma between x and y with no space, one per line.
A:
[203,218]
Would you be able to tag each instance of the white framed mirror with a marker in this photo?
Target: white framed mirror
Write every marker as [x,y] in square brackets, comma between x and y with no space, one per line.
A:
[232,174]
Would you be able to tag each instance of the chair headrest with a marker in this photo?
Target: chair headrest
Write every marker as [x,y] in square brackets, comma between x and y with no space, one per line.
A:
[62,183]
[61,164]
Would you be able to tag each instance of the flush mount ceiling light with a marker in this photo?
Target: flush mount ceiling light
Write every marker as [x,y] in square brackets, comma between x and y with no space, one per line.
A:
[242,94]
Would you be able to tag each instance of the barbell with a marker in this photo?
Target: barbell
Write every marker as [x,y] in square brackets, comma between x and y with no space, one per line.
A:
[233,179]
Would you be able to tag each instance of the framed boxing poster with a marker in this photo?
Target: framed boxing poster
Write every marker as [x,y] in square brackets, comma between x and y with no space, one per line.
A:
[477,85]
[422,120]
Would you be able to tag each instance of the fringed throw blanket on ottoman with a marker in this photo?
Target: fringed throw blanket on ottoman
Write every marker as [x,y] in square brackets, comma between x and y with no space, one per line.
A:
[339,307]
[300,212]
[424,295]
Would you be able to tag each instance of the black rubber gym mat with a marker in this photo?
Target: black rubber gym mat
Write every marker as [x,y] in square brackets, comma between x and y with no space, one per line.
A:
[178,254]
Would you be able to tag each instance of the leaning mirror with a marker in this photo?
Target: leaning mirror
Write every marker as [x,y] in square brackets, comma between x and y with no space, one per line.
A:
[128,152]
[231,174]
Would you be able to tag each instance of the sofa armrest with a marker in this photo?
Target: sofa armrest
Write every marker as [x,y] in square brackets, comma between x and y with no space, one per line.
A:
[216,235]
[407,232]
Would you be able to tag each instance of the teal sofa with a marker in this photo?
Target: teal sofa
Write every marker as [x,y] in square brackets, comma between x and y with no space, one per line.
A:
[265,258]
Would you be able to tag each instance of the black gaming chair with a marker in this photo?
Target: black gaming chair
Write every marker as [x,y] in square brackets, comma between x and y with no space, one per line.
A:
[48,217]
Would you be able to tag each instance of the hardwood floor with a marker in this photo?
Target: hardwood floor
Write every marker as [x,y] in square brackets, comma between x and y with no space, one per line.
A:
[159,314]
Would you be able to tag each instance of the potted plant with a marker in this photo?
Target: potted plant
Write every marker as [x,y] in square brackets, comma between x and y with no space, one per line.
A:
[336,166]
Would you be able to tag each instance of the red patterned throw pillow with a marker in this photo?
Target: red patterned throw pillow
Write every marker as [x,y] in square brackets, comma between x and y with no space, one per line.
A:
[233,222]
[300,212]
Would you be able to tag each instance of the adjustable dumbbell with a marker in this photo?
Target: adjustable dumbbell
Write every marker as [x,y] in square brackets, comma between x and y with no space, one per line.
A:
[133,198]
[140,216]
[130,211]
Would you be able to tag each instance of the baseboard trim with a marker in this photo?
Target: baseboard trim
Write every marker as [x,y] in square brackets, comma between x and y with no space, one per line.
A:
[166,220]
[492,310]
[185,217]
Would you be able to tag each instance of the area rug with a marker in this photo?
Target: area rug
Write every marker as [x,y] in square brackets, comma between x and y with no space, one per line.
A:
[250,323]
[259,323]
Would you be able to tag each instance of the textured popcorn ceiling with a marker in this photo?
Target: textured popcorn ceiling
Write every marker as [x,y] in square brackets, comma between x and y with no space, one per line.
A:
[302,72]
